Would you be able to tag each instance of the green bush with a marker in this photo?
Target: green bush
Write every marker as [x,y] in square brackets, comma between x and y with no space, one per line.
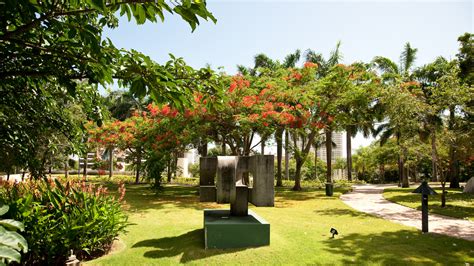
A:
[11,242]
[60,217]
[194,170]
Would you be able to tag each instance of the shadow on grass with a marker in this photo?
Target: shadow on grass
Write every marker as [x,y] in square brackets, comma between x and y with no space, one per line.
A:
[189,245]
[458,205]
[342,212]
[142,197]
[385,248]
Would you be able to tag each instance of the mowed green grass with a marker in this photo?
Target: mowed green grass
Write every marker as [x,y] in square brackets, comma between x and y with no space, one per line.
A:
[458,204]
[167,230]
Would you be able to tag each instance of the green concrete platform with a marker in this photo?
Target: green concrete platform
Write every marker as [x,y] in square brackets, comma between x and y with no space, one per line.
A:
[224,231]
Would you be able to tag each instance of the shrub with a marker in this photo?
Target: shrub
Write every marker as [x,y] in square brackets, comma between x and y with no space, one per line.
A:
[11,243]
[194,170]
[60,217]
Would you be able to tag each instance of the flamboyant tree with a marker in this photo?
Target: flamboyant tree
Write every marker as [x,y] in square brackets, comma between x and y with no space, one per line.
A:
[53,55]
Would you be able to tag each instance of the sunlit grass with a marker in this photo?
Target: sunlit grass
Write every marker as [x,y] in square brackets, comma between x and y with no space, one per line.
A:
[458,204]
[168,230]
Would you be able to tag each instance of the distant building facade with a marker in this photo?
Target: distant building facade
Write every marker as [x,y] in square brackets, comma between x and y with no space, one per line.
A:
[336,150]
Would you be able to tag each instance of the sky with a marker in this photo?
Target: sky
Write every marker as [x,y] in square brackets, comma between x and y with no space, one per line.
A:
[245,28]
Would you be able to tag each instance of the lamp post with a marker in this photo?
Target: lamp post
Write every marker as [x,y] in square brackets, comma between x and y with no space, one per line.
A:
[424,190]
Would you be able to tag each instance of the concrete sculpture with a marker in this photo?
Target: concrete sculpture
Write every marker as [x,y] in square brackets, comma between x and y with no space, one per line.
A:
[239,180]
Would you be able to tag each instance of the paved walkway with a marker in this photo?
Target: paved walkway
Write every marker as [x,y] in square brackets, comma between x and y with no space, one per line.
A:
[369,199]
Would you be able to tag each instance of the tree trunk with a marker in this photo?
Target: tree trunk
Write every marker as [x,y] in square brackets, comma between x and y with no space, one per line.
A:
[168,174]
[434,157]
[328,133]
[444,192]
[299,164]
[66,169]
[262,146]
[138,165]
[84,174]
[287,155]
[453,162]
[382,173]
[279,141]
[8,175]
[223,147]
[349,154]
[315,161]
[405,182]
[203,149]
[111,161]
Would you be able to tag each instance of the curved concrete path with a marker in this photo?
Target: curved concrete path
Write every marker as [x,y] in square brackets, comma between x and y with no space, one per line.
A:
[369,199]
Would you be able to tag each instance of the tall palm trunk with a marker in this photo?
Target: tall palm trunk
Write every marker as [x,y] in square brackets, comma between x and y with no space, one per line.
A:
[315,161]
[111,161]
[85,167]
[399,161]
[66,168]
[405,182]
[328,141]
[349,153]
[434,156]
[453,162]
[279,141]
[138,165]
[287,155]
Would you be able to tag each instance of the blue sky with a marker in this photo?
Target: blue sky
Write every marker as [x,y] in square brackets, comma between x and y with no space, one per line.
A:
[245,28]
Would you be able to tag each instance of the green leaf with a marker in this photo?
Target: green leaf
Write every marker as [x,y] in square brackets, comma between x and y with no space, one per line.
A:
[3,209]
[12,224]
[72,33]
[10,254]
[98,4]
[13,240]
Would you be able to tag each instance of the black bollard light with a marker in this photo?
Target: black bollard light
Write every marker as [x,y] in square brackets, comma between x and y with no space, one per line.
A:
[424,190]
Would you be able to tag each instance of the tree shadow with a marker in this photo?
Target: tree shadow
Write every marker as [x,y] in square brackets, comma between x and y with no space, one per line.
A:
[142,197]
[434,203]
[384,248]
[342,212]
[189,245]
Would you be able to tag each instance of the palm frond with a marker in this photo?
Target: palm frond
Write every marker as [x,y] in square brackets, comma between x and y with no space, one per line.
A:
[381,128]
[385,65]
[313,57]
[243,70]
[291,59]
[262,60]
[386,135]
[407,58]
[335,56]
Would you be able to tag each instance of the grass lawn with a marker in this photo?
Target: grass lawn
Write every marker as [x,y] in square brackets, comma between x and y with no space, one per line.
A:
[167,229]
[458,204]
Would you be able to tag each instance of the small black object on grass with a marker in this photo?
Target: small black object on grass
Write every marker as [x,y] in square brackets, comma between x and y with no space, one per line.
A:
[333,232]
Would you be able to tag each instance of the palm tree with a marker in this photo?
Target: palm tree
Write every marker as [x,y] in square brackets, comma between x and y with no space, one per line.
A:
[390,74]
[324,67]
[122,104]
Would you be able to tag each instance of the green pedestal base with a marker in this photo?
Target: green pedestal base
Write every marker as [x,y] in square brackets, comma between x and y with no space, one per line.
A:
[224,231]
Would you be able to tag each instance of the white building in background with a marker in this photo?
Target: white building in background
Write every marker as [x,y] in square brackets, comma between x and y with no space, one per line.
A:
[337,151]
[190,157]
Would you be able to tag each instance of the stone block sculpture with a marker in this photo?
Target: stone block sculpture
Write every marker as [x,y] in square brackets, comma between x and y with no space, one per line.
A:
[239,226]
[231,173]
